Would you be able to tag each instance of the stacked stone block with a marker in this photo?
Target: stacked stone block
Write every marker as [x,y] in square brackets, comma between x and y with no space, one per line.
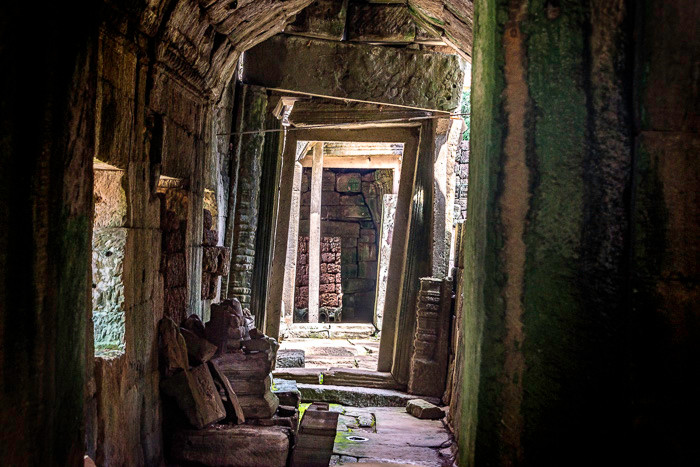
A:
[216,260]
[174,263]
[461,185]
[330,290]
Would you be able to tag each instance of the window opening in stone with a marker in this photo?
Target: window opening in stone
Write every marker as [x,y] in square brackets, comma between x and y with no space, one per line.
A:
[108,246]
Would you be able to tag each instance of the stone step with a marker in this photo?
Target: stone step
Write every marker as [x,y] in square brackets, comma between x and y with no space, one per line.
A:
[340,377]
[357,396]
[330,330]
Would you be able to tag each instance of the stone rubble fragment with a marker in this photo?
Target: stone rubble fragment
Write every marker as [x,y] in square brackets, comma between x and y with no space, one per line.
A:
[422,409]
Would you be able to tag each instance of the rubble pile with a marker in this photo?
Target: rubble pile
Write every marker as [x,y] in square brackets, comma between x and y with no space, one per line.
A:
[216,379]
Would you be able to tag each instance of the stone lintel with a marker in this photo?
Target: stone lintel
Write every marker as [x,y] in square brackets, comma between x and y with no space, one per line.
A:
[359,72]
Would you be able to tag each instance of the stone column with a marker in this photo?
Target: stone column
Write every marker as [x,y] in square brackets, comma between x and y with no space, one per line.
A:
[246,215]
[290,268]
[547,236]
[268,200]
[397,256]
[418,256]
[448,133]
[431,341]
[315,232]
[273,307]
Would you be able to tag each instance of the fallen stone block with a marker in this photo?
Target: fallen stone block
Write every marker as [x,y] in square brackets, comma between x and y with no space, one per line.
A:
[194,324]
[196,395]
[316,437]
[172,348]
[259,406]
[234,412]
[287,392]
[291,358]
[199,350]
[424,409]
[229,445]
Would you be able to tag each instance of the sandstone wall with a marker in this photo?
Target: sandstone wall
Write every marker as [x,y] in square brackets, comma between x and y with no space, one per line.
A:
[348,203]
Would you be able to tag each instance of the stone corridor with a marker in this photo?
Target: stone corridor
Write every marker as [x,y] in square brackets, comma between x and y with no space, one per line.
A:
[309,233]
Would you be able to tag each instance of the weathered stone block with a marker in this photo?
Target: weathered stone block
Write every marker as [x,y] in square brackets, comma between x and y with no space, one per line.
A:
[366,251]
[176,271]
[328,257]
[327,278]
[368,236]
[328,181]
[234,412]
[210,238]
[232,445]
[259,407]
[324,19]
[358,285]
[380,23]
[198,349]
[367,269]
[328,300]
[348,183]
[333,268]
[327,288]
[331,198]
[175,302]
[289,358]
[351,200]
[207,220]
[424,409]
[174,241]
[195,394]
[354,212]
[172,347]
[359,72]
[224,261]
[210,259]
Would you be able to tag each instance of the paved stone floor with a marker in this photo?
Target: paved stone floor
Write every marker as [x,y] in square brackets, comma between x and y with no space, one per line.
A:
[337,353]
[389,435]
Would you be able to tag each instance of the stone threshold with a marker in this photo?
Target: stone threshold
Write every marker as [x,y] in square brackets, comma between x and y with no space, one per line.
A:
[340,377]
[358,396]
[330,330]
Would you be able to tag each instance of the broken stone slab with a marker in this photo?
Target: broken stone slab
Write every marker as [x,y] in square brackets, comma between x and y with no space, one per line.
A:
[259,406]
[252,387]
[241,366]
[194,323]
[367,73]
[356,396]
[286,391]
[199,350]
[234,412]
[317,432]
[422,409]
[172,348]
[324,19]
[196,395]
[290,358]
[228,445]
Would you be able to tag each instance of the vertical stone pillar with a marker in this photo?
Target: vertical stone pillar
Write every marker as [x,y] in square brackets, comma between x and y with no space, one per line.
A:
[545,277]
[397,256]
[290,268]
[417,261]
[315,232]
[268,199]
[276,281]
[431,341]
[448,133]
[246,215]
[385,235]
